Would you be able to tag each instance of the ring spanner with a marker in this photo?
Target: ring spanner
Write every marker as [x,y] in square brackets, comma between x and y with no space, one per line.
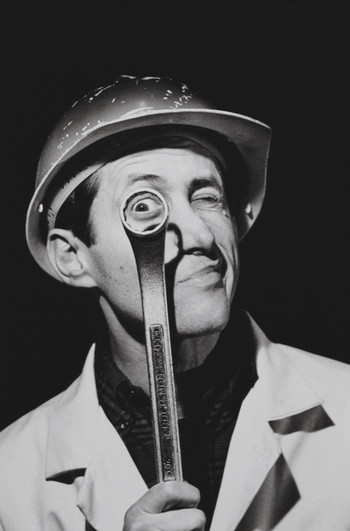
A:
[144,214]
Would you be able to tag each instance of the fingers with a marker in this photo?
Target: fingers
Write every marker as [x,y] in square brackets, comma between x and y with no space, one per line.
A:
[166,506]
[170,495]
[179,520]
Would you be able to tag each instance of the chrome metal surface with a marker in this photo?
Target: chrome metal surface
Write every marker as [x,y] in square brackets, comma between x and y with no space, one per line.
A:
[144,214]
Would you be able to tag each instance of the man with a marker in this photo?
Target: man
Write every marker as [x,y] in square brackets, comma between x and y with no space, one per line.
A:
[264,428]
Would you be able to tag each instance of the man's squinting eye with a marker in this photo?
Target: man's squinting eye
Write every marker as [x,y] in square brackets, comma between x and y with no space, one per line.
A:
[207,198]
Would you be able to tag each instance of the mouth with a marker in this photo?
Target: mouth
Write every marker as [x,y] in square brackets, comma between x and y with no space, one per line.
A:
[214,270]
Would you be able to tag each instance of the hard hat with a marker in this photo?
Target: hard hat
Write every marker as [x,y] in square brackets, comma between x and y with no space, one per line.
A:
[124,107]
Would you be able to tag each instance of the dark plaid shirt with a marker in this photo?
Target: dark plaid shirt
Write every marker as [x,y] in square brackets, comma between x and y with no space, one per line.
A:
[212,395]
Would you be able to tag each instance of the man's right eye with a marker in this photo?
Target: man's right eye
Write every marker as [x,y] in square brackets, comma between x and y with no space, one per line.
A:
[142,206]
[144,210]
[150,206]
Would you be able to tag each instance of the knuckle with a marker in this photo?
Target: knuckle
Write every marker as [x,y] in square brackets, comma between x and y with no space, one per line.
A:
[196,494]
[171,490]
[131,522]
[201,519]
[168,497]
[193,495]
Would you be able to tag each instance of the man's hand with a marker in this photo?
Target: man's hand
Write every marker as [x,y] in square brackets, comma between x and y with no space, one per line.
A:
[168,506]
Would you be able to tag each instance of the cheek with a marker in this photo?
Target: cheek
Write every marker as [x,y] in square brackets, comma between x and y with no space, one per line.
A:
[117,279]
[226,238]
[113,263]
[113,257]
[224,230]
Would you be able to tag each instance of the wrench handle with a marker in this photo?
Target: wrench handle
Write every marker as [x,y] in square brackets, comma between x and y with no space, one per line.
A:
[149,255]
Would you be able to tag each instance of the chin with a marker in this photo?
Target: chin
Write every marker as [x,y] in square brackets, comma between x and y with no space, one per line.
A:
[197,318]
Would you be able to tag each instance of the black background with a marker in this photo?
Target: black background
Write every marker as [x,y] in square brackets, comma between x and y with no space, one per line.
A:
[284,63]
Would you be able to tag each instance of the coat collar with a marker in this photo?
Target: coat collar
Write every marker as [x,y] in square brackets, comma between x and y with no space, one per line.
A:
[81,441]
[72,425]
[281,388]
[280,397]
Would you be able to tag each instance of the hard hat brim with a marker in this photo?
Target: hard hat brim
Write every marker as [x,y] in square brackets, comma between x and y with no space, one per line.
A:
[251,137]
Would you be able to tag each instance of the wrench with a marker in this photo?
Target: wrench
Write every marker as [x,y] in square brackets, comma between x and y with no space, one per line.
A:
[144,214]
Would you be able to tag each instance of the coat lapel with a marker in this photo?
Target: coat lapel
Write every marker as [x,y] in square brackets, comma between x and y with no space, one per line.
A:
[112,482]
[252,453]
[256,473]
[83,444]
[72,433]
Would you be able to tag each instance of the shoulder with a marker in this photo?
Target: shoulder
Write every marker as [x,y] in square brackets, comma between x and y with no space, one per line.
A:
[329,378]
[23,453]
[323,365]
[323,369]
[29,426]
[27,436]
[34,425]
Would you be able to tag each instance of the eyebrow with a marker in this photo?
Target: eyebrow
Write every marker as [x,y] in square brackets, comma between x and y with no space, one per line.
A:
[149,177]
[203,182]
[195,184]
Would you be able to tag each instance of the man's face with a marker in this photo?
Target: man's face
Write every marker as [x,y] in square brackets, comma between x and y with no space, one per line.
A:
[200,246]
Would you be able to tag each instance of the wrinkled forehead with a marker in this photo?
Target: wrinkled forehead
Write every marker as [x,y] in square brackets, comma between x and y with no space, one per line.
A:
[169,167]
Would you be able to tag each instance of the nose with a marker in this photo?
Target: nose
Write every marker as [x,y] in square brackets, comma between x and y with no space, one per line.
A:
[188,232]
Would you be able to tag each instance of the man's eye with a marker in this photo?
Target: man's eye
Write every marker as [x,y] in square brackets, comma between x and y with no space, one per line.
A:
[144,210]
[142,206]
[210,199]
[147,205]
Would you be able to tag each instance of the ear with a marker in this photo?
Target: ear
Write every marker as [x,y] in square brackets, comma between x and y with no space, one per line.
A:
[69,257]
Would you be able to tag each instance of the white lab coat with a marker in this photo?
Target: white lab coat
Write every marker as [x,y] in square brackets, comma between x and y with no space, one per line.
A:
[64,467]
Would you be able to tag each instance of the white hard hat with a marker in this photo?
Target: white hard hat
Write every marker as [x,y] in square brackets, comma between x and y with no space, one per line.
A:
[127,105]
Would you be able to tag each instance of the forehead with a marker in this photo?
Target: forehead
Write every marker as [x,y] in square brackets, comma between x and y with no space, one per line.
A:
[172,166]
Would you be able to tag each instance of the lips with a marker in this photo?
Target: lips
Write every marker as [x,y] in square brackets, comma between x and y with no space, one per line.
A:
[201,270]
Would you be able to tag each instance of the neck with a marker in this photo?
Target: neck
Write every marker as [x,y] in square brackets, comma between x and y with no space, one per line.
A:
[129,352]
